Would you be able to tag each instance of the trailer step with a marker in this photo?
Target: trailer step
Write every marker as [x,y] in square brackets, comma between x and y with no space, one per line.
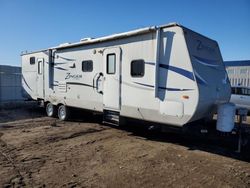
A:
[111,117]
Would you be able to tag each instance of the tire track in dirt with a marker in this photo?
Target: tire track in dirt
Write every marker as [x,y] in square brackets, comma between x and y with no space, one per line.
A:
[22,168]
[51,153]
[5,151]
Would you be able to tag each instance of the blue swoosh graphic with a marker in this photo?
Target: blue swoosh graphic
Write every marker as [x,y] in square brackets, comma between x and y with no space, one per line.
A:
[178,70]
[206,62]
[199,79]
[26,83]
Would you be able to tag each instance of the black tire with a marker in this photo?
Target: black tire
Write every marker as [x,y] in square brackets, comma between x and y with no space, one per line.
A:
[63,113]
[50,110]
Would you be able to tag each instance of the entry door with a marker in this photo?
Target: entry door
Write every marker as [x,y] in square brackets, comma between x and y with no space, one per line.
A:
[40,78]
[111,80]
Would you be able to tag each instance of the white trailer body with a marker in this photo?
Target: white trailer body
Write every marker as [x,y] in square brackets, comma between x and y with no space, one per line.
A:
[167,74]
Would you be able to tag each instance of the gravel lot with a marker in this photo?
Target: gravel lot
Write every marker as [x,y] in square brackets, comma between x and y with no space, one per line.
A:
[37,151]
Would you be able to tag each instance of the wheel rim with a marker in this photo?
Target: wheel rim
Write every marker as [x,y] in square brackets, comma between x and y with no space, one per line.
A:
[49,109]
[62,113]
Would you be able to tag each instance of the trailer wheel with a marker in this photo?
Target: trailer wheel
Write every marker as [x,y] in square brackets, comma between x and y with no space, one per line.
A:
[50,110]
[63,113]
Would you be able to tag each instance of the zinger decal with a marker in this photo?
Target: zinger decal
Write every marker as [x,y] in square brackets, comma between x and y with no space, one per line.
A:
[73,76]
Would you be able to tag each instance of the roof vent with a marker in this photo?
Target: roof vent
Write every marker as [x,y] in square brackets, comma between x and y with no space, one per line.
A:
[64,44]
[86,39]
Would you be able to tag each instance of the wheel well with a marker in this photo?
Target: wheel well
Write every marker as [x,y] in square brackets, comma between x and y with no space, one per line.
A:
[59,104]
[46,102]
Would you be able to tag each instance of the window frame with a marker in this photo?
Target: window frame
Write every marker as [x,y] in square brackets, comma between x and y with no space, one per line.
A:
[40,67]
[32,60]
[92,66]
[137,75]
[107,63]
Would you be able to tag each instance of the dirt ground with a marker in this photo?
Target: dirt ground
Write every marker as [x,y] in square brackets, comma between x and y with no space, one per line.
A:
[37,151]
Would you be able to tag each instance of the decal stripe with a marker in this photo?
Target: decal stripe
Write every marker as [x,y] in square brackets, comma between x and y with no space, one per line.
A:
[149,63]
[60,68]
[137,86]
[82,84]
[60,63]
[67,59]
[166,88]
[26,83]
[174,89]
[178,70]
[144,84]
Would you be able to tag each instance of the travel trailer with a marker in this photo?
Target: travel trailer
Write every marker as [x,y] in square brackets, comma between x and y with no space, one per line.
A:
[165,74]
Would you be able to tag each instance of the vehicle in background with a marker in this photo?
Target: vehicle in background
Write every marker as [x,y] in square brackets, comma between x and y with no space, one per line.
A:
[241,97]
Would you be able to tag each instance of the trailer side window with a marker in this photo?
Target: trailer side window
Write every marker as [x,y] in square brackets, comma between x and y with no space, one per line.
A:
[32,60]
[137,68]
[111,61]
[87,66]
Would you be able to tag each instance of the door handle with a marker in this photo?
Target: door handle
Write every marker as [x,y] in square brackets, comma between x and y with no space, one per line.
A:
[99,76]
[94,80]
[97,82]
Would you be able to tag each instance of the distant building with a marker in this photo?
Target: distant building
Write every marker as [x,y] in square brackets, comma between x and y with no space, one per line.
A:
[10,84]
[238,72]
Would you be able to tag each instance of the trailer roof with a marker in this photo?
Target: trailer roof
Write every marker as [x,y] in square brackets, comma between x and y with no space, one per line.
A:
[116,36]
[109,37]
